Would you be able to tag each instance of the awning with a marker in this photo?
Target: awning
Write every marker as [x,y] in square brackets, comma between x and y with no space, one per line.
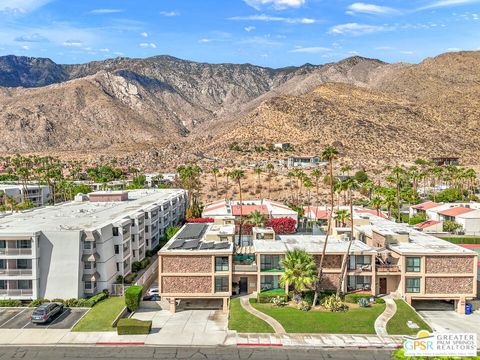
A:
[92,257]
[91,277]
[244,250]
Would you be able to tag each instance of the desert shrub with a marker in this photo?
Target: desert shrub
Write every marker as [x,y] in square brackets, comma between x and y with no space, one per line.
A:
[267,296]
[10,303]
[279,301]
[362,302]
[133,295]
[133,327]
[333,303]
[304,306]
[353,298]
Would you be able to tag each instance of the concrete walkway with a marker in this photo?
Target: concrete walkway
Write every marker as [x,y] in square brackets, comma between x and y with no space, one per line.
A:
[382,320]
[277,327]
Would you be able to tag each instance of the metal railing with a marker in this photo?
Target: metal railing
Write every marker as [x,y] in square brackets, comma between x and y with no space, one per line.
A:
[16,251]
[388,268]
[16,292]
[245,268]
[16,272]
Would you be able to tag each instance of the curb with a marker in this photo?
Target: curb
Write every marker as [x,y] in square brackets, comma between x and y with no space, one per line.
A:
[120,343]
[259,344]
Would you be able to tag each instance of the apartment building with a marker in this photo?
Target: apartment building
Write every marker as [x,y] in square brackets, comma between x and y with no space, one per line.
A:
[225,208]
[39,195]
[77,249]
[384,258]
[467,215]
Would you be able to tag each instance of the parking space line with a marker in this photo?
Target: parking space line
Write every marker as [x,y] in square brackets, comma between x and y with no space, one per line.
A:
[58,318]
[6,322]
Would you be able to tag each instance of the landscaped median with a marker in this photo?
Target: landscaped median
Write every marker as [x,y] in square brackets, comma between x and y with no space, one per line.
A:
[244,322]
[102,315]
[397,325]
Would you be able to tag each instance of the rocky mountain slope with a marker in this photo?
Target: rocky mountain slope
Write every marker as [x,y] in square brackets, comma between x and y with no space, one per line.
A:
[376,113]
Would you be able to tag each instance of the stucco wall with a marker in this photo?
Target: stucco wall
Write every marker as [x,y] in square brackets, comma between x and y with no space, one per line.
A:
[449,264]
[377,240]
[448,285]
[330,281]
[186,284]
[187,264]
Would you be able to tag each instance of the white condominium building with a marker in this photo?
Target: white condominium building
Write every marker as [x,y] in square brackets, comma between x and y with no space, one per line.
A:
[39,195]
[79,248]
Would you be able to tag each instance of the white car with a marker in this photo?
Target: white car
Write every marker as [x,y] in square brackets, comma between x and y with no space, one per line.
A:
[153,291]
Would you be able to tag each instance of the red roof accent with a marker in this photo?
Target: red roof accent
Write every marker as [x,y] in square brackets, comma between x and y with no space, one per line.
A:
[427,224]
[455,211]
[280,205]
[248,209]
[213,207]
[319,213]
[426,205]
[371,211]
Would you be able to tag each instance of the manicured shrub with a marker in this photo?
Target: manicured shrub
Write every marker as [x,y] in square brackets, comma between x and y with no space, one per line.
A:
[353,298]
[133,327]
[10,303]
[136,266]
[81,303]
[133,295]
[145,262]
[91,302]
[268,296]
[334,303]
[37,302]
[130,278]
[379,301]
[57,300]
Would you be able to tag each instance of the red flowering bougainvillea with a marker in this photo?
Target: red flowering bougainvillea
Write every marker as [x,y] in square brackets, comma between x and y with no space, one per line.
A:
[282,225]
[200,220]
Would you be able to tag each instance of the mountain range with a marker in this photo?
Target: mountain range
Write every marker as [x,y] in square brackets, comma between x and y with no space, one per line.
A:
[163,111]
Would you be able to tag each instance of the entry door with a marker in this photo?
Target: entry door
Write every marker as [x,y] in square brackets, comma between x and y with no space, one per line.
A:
[243,285]
[383,286]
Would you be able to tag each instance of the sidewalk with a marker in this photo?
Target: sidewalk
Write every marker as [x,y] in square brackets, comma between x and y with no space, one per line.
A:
[276,326]
[382,320]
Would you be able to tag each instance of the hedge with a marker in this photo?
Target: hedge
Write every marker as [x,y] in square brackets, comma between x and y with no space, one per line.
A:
[133,295]
[133,327]
[353,298]
[91,302]
[267,296]
[37,302]
[10,303]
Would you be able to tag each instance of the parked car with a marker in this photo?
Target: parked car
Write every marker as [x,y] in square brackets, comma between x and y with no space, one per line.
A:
[152,291]
[153,297]
[46,312]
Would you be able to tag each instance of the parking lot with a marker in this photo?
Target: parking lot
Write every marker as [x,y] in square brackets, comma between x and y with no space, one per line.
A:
[14,318]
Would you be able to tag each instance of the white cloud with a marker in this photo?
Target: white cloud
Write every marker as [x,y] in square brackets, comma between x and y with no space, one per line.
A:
[144,34]
[36,37]
[106,11]
[72,43]
[260,40]
[268,18]
[311,50]
[276,4]
[249,28]
[169,13]
[104,50]
[118,53]
[454,49]
[205,40]
[357,29]
[363,8]
[148,45]
[20,7]
[407,52]
[25,47]
[446,3]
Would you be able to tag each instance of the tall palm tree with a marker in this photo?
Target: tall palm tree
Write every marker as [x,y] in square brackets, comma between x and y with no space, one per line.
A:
[376,203]
[397,172]
[328,154]
[258,171]
[257,219]
[237,176]
[215,171]
[270,169]
[300,271]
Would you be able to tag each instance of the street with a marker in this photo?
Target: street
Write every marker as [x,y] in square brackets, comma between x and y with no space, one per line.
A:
[170,353]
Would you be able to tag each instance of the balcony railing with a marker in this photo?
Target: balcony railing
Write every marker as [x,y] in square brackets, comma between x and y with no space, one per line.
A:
[15,272]
[245,268]
[16,292]
[16,251]
[388,268]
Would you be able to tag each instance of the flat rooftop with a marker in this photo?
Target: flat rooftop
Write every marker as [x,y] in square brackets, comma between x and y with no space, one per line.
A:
[419,242]
[83,215]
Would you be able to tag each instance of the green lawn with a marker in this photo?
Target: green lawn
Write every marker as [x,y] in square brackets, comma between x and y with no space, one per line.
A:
[397,325]
[461,239]
[244,322]
[353,321]
[101,316]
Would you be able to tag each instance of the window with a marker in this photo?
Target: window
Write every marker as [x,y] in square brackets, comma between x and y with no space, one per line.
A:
[3,264]
[24,244]
[25,284]
[3,244]
[221,284]
[146,228]
[221,263]
[271,263]
[125,230]
[117,249]
[24,263]
[133,253]
[413,264]
[363,262]
[118,266]
[146,215]
[87,265]
[87,245]
[412,285]
[359,283]
[269,282]
[3,284]
[115,231]
[90,285]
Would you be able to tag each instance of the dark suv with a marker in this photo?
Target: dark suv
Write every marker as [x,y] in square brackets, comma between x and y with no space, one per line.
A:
[46,312]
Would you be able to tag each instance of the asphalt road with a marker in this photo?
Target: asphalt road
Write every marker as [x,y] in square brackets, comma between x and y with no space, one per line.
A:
[20,319]
[170,353]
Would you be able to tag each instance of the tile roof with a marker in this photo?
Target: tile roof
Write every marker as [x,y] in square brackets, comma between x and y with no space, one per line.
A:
[427,224]
[455,211]
[246,210]
[319,213]
[426,205]
[371,211]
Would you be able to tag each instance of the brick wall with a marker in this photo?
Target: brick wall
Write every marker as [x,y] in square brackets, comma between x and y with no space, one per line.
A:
[186,284]
[186,264]
[330,261]
[378,240]
[449,264]
[330,281]
[448,285]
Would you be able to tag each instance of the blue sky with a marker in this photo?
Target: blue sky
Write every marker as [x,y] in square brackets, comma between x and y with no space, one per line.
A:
[265,32]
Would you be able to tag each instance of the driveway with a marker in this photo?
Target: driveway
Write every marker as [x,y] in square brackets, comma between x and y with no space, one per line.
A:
[452,322]
[16,318]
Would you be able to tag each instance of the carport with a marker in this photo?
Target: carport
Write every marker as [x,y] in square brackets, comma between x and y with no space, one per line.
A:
[433,305]
[200,304]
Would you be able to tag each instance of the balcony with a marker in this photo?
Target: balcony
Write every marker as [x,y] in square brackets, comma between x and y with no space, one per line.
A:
[16,292]
[388,268]
[245,267]
[15,251]
[16,272]
[91,290]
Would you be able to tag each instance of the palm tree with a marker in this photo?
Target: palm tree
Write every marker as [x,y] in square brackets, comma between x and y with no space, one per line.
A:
[256,218]
[397,172]
[376,203]
[270,168]
[215,172]
[342,216]
[328,154]
[300,271]
[258,171]
[237,175]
